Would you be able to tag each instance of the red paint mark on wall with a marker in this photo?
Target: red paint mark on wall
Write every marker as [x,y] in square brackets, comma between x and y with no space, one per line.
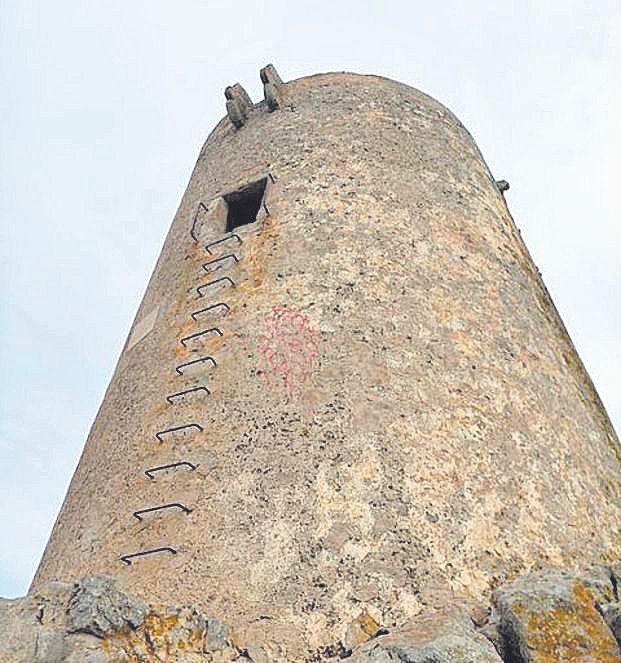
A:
[289,348]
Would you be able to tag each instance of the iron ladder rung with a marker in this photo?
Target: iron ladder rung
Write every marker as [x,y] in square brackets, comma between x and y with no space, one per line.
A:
[127,558]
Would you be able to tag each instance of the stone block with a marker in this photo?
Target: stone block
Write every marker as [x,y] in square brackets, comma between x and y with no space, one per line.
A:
[552,616]
[433,638]
[51,646]
[98,606]
[18,636]
[217,635]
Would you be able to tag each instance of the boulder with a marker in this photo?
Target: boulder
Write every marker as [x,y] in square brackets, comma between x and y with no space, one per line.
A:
[434,638]
[98,606]
[553,616]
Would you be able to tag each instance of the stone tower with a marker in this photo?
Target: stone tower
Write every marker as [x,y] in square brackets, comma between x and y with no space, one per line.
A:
[346,387]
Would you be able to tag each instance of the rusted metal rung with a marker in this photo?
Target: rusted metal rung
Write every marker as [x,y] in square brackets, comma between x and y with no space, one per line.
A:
[185,392]
[160,434]
[234,236]
[213,265]
[180,368]
[213,307]
[127,558]
[161,507]
[223,279]
[160,468]
[204,332]
[201,206]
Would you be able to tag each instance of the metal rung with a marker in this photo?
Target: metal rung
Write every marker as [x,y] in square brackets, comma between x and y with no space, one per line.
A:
[174,429]
[213,265]
[200,333]
[224,279]
[161,507]
[213,307]
[127,558]
[198,211]
[181,394]
[180,368]
[224,239]
[151,471]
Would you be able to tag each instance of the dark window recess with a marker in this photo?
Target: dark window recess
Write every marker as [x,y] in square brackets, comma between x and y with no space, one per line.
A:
[244,204]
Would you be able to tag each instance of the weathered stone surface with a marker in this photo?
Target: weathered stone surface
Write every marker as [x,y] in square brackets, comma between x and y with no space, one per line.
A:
[18,638]
[545,617]
[433,638]
[99,606]
[217,635]
[51,646]
[256,654]
[361,629]
[238,104]
[552,616]
[269,74]
[96,621]
[491,631]
[272,96]
[598,579]
[397,416]
[612,615]
[272,85]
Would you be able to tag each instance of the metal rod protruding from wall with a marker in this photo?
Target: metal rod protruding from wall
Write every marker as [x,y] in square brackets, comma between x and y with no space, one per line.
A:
[200,333]
[180,394]
[222,279]
[127,558]
[201,360]
[224,239]
[160,468]
[213,266]
[198,211]
[162,507]
[195,314]
[160,434]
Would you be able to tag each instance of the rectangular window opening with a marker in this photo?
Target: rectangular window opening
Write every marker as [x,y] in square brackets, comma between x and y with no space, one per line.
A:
[244,204]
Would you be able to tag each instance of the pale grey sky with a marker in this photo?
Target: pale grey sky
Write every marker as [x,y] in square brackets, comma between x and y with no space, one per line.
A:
[106,104]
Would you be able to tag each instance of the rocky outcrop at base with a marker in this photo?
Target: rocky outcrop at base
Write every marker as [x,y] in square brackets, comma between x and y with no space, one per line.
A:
[545,617]
[95,621]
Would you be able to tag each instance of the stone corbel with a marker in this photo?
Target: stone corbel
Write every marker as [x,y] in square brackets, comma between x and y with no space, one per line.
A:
[272,83]
[238,104]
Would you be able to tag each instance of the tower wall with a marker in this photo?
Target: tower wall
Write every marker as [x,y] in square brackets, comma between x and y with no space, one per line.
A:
[396,415]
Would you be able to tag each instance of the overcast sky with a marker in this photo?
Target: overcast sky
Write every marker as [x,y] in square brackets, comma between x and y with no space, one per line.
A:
[104,108]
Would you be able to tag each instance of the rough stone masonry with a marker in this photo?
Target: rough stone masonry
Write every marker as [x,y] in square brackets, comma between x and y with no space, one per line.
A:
[347,401]
[544,617]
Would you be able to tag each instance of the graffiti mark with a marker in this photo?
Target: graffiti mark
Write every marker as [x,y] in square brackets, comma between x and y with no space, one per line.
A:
[289,348]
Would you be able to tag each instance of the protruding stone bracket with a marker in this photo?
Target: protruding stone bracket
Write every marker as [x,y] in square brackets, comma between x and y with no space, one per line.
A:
[272,83]
[238,104]
[502,185]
